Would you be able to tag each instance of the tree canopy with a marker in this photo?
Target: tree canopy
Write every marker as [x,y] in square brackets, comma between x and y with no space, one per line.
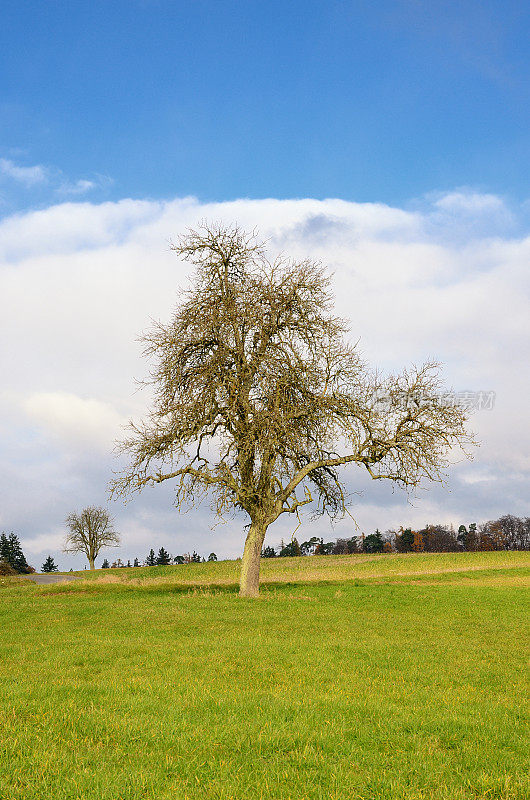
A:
[259,397]
[89,532]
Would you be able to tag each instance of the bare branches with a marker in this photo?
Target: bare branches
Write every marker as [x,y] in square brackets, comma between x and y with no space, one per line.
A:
[89,532]
[256,392]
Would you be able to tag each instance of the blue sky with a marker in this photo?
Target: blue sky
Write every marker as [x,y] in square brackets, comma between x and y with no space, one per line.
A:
[365,101]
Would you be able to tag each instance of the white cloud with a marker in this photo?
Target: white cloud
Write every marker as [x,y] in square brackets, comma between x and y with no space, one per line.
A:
[82,186]
[79,282]
[74,228]
[467,216]
[51,541]
[79,187]
[29,176]
[75,421]
[470,202]
[50,180]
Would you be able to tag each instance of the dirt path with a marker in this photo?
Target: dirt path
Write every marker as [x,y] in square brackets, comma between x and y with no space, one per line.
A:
[50,578]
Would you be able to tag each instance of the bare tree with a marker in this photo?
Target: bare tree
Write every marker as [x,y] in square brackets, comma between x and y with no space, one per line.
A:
[89,532]
[259,399]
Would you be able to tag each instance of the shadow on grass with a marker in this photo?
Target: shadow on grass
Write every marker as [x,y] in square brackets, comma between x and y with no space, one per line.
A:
[185,589]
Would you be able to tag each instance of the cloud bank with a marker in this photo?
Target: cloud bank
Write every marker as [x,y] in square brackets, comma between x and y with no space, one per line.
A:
[446,278]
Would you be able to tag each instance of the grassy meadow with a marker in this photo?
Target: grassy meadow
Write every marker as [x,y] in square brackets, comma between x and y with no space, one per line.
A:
[351,677]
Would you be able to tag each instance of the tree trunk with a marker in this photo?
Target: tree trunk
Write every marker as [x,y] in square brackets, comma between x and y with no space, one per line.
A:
[249,580]
[91,562]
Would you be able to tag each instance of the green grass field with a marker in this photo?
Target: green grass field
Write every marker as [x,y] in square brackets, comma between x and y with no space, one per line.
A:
[351,677]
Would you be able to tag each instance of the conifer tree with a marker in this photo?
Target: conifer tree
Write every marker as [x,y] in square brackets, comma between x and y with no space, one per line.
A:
[163,558]
[19,559]
[462,536]
[49,565]
[4,549]
[151,558]
[291,549]
[105,564]
[136,563]
[11,553]
[373,543]
[472,537]
[405,541]
[212,557]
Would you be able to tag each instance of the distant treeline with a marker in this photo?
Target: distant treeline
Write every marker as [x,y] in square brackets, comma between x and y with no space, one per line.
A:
[162,559]
[506,533]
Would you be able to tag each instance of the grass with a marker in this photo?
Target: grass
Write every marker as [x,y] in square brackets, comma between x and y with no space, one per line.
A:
[351,677]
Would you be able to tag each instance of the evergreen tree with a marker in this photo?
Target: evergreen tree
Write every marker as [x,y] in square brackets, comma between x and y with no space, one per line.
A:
[179,560]
[472,537]
[151,558]
[20,563]
[49,565]
[4,549]
[405,542]
[373,543]
[462,537]
[195,559]
[129,562]
[291,549]
[163,558]
[136,563]
[11,553]
[212,557]
[268,552]
[105,564]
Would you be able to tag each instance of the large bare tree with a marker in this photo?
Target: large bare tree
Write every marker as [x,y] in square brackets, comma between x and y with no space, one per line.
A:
[259,398]
[89,532]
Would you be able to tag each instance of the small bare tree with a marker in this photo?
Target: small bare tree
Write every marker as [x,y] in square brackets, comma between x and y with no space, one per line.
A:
[89,532]
[259,398]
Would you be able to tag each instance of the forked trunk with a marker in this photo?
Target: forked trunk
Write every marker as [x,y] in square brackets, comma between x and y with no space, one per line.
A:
[249,580]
